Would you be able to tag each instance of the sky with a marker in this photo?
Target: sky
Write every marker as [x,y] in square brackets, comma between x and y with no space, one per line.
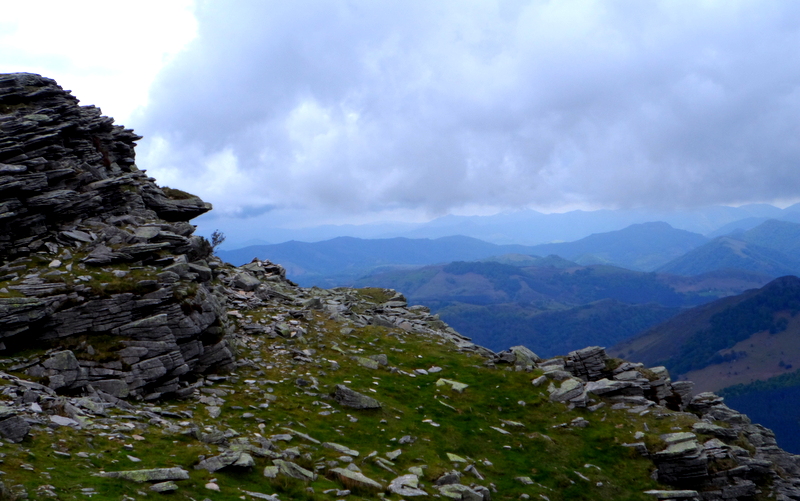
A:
[317,112]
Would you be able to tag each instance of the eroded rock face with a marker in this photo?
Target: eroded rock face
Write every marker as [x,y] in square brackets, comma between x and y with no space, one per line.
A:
[95,257]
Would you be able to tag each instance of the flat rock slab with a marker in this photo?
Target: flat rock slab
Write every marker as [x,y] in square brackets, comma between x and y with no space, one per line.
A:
[64,421]
[524,356]
[355,479]
[259,495]
[292,470]
[151,475]
[168,486]
[455,458]
[569,389]
[406,485]
[454,385]
[236,459]
[340,448]
[353,399]
[458,491]
[367,362]
[302,435]
[685,494]
[603,386]
[676,438]
[689,448]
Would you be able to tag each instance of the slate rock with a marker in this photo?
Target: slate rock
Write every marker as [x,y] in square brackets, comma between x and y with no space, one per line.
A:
[351,479]
[340,448]
[236,459]
[462,492]
[571,388]
[168,486]
[406,485]
[293,470]
[524,356]
[149,475]
[353,399]
[454,385]
[14,428]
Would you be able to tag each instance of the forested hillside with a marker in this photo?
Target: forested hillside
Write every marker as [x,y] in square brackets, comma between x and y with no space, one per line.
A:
[554,304]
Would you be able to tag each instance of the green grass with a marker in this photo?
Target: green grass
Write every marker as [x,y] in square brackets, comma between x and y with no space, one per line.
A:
[374,294]
[176,194]
[540,449]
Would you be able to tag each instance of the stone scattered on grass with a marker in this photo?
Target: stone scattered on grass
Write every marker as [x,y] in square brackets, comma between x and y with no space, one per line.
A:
[351,479]
[353,399]
[454,385]
[168,486]
[293,470]
[149,475]
[406,485]
[340,448]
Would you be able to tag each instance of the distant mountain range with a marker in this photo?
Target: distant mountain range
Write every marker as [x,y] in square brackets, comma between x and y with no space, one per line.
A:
[525,227]
[770,248]
[342,260]
[644,247]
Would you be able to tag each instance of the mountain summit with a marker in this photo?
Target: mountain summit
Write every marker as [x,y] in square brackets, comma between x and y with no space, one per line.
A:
[138,364]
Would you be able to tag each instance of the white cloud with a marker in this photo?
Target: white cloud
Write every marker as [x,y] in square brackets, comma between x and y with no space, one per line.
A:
[357,110]
[106,52]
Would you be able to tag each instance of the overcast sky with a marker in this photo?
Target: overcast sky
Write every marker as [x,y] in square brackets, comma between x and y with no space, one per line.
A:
[351,111]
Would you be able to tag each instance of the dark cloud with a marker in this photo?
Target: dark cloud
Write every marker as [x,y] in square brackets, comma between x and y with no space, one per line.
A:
[362,106]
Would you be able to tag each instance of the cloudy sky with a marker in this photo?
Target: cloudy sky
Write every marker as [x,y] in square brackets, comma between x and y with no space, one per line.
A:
[308,112]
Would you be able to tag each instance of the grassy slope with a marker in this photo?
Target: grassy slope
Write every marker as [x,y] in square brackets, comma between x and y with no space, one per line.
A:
[540,449]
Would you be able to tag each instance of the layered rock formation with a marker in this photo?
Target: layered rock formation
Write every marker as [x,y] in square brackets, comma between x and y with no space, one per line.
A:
[95,256]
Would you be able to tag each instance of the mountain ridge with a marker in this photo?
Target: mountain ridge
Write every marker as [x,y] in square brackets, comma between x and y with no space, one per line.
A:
[767,248]
[136,363]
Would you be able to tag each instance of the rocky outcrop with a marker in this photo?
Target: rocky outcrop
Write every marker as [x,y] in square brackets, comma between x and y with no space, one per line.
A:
[95,257]
[732,464]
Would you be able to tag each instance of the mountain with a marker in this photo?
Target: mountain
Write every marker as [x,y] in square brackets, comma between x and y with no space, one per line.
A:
[526,227]
[781,236]
[522,260]
[550,332]
[642,247]
[769,248]
[790,214]
[136,364]
[491,282]
[558,305]
[343,259]
[724,331]
[733,253]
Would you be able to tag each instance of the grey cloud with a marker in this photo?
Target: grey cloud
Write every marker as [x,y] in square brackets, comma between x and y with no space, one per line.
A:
[346,107]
